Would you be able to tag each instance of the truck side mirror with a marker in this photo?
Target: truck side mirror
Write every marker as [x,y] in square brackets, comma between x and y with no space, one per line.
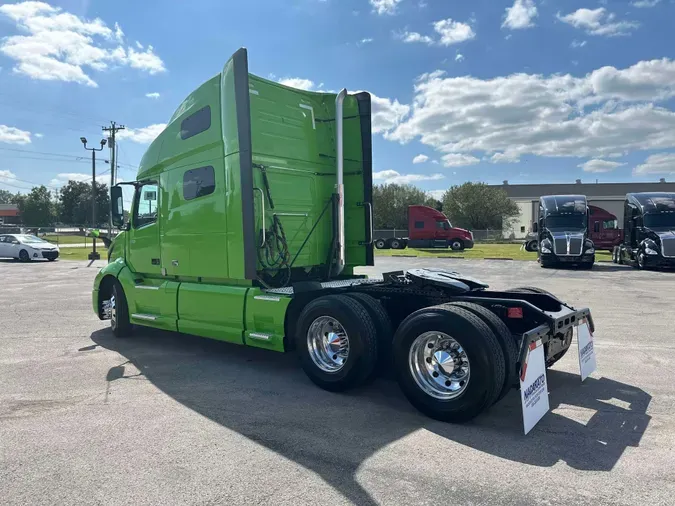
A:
[117,206]
[535,228]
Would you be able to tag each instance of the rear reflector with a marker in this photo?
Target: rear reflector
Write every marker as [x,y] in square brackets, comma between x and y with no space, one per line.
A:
[515,312]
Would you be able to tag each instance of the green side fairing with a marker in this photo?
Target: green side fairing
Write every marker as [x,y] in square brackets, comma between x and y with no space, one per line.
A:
[200,259]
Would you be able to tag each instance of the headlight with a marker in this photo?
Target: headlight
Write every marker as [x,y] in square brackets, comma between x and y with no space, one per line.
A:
[651,248]
[545,246]
[589,247]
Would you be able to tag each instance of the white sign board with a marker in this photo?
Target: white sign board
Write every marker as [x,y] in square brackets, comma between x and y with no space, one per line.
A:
[587,362]
[533,386]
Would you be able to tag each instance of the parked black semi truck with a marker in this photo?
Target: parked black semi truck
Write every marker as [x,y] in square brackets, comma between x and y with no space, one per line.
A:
[562,231]
[649,231]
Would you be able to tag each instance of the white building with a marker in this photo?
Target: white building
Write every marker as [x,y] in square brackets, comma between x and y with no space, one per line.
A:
[609,196]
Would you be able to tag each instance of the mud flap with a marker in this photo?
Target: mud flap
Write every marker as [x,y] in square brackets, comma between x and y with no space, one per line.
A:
[533,386]
[587,363]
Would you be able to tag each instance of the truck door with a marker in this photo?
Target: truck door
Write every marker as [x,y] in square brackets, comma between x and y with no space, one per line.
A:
[144,255]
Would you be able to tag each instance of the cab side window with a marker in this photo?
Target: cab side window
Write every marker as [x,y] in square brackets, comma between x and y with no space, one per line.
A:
[610,225]
[145,209]
[199,182]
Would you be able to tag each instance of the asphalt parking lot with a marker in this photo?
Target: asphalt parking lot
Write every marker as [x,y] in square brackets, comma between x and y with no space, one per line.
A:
[162,418]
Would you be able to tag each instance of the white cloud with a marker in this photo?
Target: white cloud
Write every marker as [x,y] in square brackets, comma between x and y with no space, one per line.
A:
[661,163]
[577,43]
[386,113]
[520,15]
[7,176]
[453,32]
[598,22]
[63,178]
[598,165]
[450,32]
[13,135]
[416,37]
[154,95]
[297,82]
[385,6]
[420,159]
[143,135]
[436,194]
[459,57]
[39,136]
[393,177]
[365,41]
[645,4]
[58,45]
[458,160]
[119,34]
[605,113]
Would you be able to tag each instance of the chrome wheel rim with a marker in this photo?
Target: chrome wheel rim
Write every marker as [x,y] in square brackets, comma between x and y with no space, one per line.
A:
[328,344]
[439,365]
[113,313]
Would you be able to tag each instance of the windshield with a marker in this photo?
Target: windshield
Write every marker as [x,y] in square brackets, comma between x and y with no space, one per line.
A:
[29,239]
[566,222]
[660,220]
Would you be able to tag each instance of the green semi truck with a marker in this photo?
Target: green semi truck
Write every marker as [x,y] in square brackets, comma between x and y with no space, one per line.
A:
[251,211]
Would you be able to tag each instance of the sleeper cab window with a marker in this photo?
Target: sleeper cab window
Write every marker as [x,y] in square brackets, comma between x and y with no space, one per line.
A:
[419,224]
[196,123]
[199,182]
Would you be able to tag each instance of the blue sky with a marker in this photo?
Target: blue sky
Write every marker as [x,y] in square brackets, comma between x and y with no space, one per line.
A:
[482,90]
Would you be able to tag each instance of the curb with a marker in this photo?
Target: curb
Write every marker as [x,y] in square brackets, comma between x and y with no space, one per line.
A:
[495,258]
[405,256]
[450,257]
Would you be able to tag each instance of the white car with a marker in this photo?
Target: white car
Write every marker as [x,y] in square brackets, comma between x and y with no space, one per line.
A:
[27,247]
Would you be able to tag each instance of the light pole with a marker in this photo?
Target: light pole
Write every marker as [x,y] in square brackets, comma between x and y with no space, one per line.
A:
[93,255]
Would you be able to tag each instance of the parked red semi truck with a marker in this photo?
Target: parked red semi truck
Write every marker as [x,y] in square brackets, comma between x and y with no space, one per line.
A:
[603,230]
[428,228]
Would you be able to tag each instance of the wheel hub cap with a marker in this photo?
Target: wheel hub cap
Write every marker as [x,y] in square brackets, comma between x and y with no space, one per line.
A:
[328,344]
[439,365]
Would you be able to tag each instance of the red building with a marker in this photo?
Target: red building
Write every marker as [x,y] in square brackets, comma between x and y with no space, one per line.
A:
[9,214]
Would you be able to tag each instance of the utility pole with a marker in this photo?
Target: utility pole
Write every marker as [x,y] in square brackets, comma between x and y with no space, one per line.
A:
[93,255]
[112,129]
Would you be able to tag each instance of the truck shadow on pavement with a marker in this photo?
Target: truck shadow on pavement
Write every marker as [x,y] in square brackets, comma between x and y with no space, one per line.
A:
[265,397]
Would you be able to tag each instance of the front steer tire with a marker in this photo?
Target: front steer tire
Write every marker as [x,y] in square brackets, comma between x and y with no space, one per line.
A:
[487,367]
[361,332]
[120,323]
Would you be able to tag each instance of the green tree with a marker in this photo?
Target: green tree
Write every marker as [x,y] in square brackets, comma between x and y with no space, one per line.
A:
[37,208]
[75,203]
[391,201]
[478,206]
[7,197]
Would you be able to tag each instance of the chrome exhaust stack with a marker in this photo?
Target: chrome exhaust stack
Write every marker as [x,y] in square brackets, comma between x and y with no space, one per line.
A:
[339,153]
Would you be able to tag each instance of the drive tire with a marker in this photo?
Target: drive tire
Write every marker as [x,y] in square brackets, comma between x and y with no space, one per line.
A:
[396,244]
[487,368]
[119,322]
[24,256]
[531,246]
[506,341]
[383,329]
[456,244]
[361,333]
[381,244]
